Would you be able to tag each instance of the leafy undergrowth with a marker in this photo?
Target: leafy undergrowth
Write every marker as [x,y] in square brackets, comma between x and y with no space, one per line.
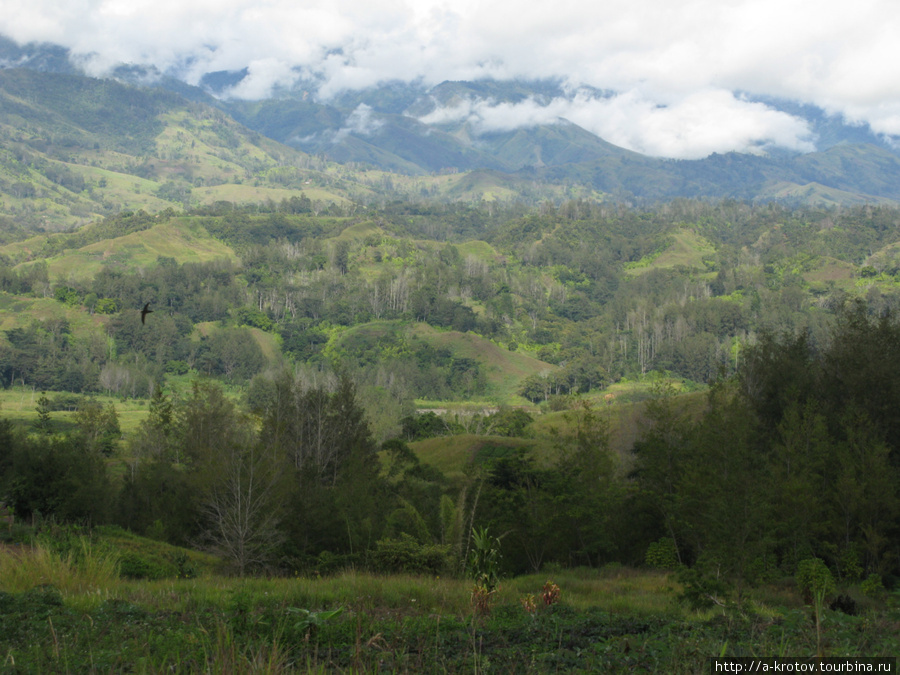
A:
[42,632]
[77,564]
[616,620]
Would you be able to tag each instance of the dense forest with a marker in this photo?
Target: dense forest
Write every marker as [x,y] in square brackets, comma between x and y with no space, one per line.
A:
[309,349]
[576,287]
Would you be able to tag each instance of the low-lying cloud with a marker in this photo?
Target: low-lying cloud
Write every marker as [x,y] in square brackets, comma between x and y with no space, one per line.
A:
[692,127]
[672,64]
[361,122]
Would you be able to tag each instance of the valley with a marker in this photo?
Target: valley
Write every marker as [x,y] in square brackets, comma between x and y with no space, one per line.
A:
[393,389]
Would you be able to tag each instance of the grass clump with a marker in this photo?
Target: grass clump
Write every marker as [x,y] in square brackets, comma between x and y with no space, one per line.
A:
[82,568]
[65,606]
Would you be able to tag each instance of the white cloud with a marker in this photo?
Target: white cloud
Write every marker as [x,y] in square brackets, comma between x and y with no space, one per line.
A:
[672,61]
[361,122]
[695,126]
[262,75]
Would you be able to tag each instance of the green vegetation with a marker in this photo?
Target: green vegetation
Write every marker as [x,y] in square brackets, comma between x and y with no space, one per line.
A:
[378,395]
[445,422]
[612,620]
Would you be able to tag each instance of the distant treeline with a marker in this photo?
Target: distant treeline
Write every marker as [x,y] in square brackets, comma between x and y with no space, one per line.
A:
[574,285]
[796,456]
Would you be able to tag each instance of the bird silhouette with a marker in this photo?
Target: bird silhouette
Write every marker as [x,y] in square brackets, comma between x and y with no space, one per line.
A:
[145,312]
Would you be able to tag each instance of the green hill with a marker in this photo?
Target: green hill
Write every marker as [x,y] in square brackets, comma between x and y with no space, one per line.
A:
[504,369]
[180,239]
[627,420]
[687,249]
[75,148]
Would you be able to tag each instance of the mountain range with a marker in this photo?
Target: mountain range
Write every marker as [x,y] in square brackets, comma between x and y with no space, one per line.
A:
[74,147]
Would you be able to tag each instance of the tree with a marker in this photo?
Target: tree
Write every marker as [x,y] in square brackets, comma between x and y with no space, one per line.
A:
[864,494]
[861,368]
[238,352]
[57,476]
[98,426]
[106,306]
[43,424]
[159,497]
[207,423]
[724,491]
[243,507]
[342,256]
[801,463]
[338,500]
[595,490]
[659,461]
[155,435]
[528,505]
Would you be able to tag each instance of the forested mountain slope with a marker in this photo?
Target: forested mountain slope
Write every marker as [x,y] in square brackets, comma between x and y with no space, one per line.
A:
[309,349]
[595,293]
[75,146]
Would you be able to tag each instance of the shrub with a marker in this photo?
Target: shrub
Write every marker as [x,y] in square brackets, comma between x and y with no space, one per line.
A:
[701,591]
[662,554]
[814,579]
[408,555]
[559,402]
[550,593]
[328,563]
[816,582]
[484,568]
[873,587]
[134,566]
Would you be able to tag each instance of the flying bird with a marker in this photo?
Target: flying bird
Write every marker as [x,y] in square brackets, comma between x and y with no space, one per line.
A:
[145,312]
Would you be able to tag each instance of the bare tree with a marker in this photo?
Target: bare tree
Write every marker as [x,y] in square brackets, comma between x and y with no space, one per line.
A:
[243,507]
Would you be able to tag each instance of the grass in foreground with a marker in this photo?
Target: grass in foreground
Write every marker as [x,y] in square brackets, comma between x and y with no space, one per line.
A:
[80,616]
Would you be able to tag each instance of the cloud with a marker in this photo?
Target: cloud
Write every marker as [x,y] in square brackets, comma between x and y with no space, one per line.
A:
[361,122]
[262,76]
[668,60]
[695,126]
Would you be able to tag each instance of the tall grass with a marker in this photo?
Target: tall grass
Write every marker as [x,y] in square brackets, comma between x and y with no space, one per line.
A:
[354,591]
[84,574]
[619,591]
[79,571]
[223,655]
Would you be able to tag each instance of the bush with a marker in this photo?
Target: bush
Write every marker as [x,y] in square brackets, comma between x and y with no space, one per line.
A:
[662,554]
[701,591]
[424,425]
[873,587]
[134,566]
[65,401]
[408,555]
[814,579]
[176,367]
[559,402]
[510,422]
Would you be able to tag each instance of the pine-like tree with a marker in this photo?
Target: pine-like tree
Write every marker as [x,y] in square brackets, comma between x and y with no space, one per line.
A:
[43,424]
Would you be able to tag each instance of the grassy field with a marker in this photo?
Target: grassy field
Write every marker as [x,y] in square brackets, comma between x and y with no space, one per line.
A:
[18,404]
[67,605]
[181,239]
[478,249]
[687,249]
[17,311]
[249,194]
[504,370]
[625,412]
[451,454]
